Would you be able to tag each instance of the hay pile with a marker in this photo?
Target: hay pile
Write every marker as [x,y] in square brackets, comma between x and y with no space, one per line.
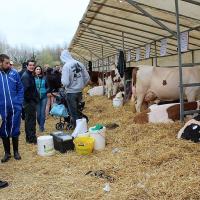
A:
[150,163]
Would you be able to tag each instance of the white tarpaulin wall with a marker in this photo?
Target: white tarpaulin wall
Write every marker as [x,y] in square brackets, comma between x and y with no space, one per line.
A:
[116,24]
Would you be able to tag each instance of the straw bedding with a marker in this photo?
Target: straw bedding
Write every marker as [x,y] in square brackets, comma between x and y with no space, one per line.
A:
[150,163]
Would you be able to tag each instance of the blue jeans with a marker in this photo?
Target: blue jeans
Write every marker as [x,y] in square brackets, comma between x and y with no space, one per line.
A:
[41,115]
[73,100]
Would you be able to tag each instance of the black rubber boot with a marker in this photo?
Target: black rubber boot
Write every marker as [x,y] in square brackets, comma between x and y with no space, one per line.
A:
[3,184]
[15,141]
[6,145]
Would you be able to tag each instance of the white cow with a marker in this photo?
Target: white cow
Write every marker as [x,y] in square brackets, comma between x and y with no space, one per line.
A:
[153,83]
[113,81]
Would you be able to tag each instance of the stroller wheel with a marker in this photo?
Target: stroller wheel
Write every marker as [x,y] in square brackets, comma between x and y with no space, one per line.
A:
[69,127]
[60,126]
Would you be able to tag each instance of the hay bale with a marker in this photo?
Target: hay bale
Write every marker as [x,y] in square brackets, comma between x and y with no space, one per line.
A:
[151,163]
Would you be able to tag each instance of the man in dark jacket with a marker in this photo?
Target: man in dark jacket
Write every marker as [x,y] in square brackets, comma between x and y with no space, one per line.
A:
[31,98]
[11,99]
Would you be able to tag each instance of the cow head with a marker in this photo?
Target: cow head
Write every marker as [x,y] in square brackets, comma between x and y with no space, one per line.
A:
[100,82]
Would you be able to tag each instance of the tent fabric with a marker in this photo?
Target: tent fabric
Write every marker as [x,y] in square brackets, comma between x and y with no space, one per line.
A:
[105,20]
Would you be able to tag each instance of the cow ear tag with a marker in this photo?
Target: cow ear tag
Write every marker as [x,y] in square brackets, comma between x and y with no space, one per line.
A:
[164,82]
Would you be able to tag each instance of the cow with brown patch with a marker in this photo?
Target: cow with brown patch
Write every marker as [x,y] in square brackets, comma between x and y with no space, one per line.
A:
[164,113]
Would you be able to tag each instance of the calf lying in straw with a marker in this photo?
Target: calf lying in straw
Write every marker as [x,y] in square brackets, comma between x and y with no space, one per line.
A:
[164,113]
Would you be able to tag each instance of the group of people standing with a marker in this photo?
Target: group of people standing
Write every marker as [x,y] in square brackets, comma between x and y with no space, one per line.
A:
[23,94]
[30,79]
[27,94]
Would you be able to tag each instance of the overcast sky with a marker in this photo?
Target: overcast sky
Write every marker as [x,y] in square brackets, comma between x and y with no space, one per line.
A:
[38,23]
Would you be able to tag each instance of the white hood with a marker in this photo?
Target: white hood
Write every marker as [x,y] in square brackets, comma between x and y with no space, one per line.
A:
[66,57]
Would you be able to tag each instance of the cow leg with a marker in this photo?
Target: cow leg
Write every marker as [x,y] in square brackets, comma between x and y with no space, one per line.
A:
[106,92]
[140,99]
[109,93]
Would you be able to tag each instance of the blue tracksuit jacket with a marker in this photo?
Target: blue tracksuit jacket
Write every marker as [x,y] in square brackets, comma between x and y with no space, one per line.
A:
[11,99]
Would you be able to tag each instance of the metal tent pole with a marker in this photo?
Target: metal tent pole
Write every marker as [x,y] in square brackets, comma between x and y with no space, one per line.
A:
[125,62]
[102,68]
[91,57]
[107,67]
[136,5]
[123,41]
[192,57]
[98,66]
[180,63]
[156,59]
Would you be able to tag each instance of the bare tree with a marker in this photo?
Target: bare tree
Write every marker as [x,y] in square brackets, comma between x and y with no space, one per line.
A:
[20,54]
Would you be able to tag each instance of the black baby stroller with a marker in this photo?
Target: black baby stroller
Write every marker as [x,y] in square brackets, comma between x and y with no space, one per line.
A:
[65,121]
[54,84]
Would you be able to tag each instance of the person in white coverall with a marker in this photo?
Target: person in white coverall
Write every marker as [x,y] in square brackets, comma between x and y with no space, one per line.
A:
[74,78]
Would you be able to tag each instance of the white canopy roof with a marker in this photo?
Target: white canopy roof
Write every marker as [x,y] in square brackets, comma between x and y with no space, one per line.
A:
[140,22]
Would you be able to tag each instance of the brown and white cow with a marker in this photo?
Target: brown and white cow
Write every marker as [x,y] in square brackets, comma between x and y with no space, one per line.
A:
[164,113]
[162,83]
[95,77]
[112,80]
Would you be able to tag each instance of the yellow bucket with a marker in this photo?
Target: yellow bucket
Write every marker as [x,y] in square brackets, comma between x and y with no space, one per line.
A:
[84,145]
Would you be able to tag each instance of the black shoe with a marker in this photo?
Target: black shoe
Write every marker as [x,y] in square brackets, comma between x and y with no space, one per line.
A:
[34,141]
[6,158]
[17,156]
[15,141]
[6,145]
[28,141]
[3,184]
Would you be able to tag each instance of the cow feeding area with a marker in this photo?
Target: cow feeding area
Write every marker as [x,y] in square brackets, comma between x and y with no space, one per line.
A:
[145,161]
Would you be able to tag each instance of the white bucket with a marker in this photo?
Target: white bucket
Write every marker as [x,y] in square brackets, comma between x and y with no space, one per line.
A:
[45,146]
[100,138]
[81,127]
[117,102]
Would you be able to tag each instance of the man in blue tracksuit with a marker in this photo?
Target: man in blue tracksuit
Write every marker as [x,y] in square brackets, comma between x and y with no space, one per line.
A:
[11,99]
